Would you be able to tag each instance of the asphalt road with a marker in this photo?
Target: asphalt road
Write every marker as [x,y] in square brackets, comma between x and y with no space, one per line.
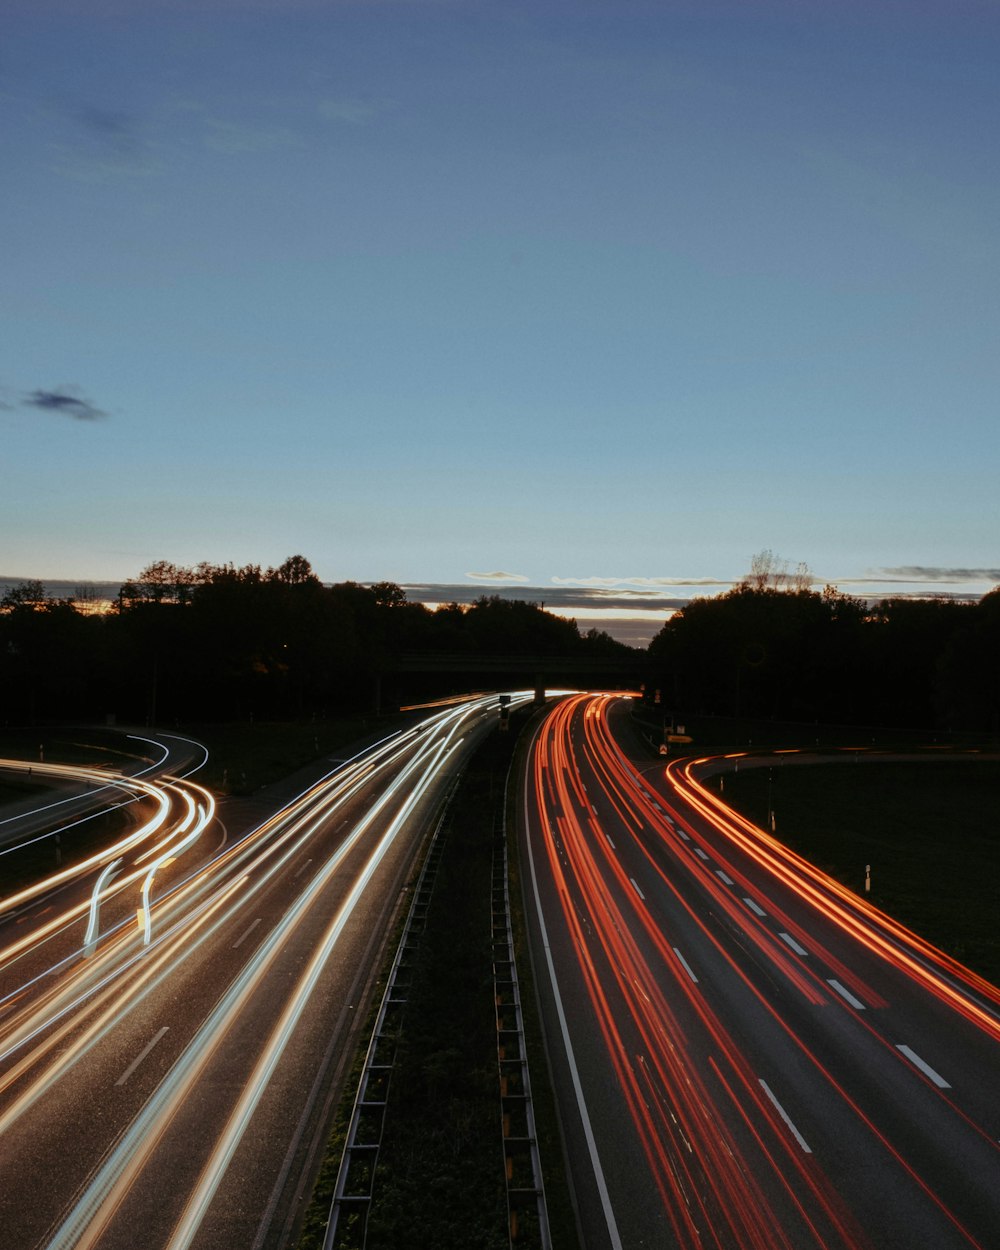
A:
[170,1081]
[745,1055]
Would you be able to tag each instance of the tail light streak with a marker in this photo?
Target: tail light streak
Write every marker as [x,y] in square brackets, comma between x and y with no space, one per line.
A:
[708,1183]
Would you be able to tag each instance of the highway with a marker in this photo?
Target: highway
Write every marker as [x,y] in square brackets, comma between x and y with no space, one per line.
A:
[176,1016]
[745,1055]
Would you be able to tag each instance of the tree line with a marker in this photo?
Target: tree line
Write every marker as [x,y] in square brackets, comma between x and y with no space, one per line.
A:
[773,648]
[220,642]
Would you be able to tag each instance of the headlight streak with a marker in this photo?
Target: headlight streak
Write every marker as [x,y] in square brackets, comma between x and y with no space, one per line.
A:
[96,1207]
[35,938]
[90,936]
[80,869]
[118,974]
[212,1174]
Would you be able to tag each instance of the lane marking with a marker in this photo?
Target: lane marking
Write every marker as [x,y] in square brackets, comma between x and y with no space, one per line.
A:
[610,843]
[846,994]
[240,941]
[925,1068]
[637,890]
[298,871]
[682,834]
[141,1055]
[588,1131]
[723,878]
[687,966]
[754,907]
[785,1116]
[699,851]
[787,937]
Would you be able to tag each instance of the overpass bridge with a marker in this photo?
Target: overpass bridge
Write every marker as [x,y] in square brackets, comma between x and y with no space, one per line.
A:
[491,671]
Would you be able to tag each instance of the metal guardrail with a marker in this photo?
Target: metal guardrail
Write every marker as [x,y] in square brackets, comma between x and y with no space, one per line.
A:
[528,1221]
[347,1227]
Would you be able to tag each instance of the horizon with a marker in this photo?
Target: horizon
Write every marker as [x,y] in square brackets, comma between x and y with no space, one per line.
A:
[632,616]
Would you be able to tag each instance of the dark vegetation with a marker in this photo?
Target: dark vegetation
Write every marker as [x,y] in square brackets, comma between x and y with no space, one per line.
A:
[929,830]
[769,650]
[440,1178]
[220,643]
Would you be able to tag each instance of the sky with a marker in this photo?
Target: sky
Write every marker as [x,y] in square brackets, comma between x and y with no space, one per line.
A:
[584,301]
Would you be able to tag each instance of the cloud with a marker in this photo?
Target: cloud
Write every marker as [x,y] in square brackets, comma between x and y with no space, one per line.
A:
[348,110]
[932,573]
[922,574]
[556,598]
[233,138]
[497,577]
[66,401]
[112,127]
[650,582]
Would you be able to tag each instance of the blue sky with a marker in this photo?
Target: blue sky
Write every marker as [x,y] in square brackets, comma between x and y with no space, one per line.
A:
[615,294]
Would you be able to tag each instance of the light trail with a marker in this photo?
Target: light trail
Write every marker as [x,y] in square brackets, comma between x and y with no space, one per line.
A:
[730,1166]
[69,1010]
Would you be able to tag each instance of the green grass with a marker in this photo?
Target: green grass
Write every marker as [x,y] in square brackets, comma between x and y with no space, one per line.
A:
[929,830]
[244,756]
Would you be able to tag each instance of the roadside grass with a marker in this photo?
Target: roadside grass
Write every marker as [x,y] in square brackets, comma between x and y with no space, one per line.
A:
[245,755]
[929,830]
[439,1179]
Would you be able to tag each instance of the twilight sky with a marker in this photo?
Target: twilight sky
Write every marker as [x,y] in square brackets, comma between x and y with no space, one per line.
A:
[594,295]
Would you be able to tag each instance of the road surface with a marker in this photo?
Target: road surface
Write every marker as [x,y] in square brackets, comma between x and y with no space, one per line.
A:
[167,1071]
[747,1057]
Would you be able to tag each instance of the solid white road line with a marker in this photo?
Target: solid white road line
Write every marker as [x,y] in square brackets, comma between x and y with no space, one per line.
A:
[785,1116]
[140,1056]
[846,994]
[925,1068]
[787,937]
[754,907]
[602,1185]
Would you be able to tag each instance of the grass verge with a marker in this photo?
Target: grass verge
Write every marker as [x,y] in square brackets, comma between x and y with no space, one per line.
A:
[440,1180]
[929,830]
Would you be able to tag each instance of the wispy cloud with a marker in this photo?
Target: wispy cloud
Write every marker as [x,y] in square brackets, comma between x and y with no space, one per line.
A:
[351,110]
[922,574]
[238,137]
[497,577]
[652,583]
[66,401]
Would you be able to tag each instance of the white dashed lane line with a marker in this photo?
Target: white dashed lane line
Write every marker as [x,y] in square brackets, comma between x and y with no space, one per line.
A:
[722,877]
[686,966]
[246,933]
[699,851]
[141,1055]
[754,907]
[637,890]
[787,937]
[784,1115]
[846,994]
[925,1068]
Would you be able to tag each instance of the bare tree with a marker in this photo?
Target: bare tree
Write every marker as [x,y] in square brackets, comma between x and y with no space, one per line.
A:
[770,572]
